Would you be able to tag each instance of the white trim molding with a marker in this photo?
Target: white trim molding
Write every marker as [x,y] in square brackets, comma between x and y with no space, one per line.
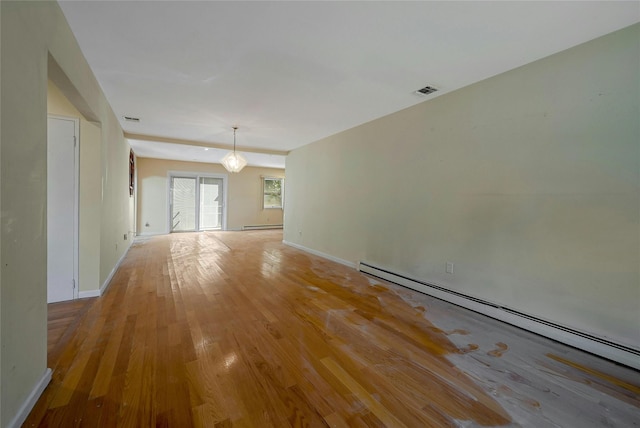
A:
[107,282]
[321,254]
[262,226]
[151,233]
[103,288]
[89,293]
[582,340]
[31,400]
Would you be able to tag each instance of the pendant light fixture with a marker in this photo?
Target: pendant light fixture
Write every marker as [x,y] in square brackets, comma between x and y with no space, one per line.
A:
[233,161]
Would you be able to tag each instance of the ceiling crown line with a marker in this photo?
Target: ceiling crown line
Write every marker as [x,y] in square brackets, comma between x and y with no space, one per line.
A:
[153,138]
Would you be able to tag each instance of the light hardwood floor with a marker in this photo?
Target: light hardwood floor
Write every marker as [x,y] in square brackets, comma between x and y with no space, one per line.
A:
[236,329]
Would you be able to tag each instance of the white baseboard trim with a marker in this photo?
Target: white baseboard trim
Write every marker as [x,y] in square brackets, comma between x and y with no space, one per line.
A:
[262,226]
[321,254]
[151,233]
[89,293]
[97,293]
[105,284]
[587,342]
[31,400]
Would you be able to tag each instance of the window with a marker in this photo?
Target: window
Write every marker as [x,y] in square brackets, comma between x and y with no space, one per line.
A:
[132,171]
[272,192]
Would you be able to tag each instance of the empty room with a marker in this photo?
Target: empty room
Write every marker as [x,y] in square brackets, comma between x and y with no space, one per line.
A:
[320,213]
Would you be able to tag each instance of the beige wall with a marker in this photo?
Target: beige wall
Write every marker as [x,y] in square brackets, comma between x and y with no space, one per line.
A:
[116,203]
[1,314]
[31,31]
[89,200]
[529,182]
[244,203]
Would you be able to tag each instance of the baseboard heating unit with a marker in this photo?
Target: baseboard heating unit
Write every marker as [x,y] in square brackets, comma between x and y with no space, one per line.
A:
[262,227]
[613,351]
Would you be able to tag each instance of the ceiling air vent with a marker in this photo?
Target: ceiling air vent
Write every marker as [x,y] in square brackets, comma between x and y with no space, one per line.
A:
[426,90]
[131,119]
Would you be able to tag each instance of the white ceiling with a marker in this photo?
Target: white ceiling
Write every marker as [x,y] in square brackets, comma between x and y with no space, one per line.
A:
[290,73]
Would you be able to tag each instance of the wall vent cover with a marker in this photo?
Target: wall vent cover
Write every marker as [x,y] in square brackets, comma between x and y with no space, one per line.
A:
[131,119]
[426,90]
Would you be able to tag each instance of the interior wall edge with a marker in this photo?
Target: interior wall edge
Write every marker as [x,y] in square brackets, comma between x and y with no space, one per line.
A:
[31,400]
[59,77]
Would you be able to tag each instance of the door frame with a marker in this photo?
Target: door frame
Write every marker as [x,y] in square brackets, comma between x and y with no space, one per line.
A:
[76,200]
[197,176]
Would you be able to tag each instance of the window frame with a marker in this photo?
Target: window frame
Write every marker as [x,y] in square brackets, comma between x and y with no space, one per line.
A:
[266,206]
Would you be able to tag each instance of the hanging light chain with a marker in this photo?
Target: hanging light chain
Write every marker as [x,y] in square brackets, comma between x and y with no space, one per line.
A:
[235,128]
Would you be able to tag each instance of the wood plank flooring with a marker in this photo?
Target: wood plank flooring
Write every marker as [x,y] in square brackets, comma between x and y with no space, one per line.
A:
[62,319]
[235,329]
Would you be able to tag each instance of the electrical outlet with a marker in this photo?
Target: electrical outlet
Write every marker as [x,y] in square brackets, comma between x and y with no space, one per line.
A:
[449,268]
[125,236]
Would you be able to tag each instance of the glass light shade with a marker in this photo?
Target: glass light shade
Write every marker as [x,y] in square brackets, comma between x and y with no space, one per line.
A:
[234,162]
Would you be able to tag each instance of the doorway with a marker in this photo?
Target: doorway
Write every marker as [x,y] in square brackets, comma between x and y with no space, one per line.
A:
[62,208]
[197,202]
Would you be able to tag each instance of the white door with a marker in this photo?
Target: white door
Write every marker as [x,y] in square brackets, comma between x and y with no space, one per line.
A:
[211,203]
[62,209]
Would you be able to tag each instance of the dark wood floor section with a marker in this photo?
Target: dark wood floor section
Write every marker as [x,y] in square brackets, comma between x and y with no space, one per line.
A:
[236,329]
[63,319]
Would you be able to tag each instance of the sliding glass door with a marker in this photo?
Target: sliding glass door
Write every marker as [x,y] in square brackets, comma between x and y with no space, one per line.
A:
[196,203]
[183,204]
[211,205]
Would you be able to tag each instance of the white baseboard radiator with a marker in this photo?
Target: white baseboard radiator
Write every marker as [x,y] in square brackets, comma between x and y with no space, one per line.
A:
[613,351]
[262,226]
